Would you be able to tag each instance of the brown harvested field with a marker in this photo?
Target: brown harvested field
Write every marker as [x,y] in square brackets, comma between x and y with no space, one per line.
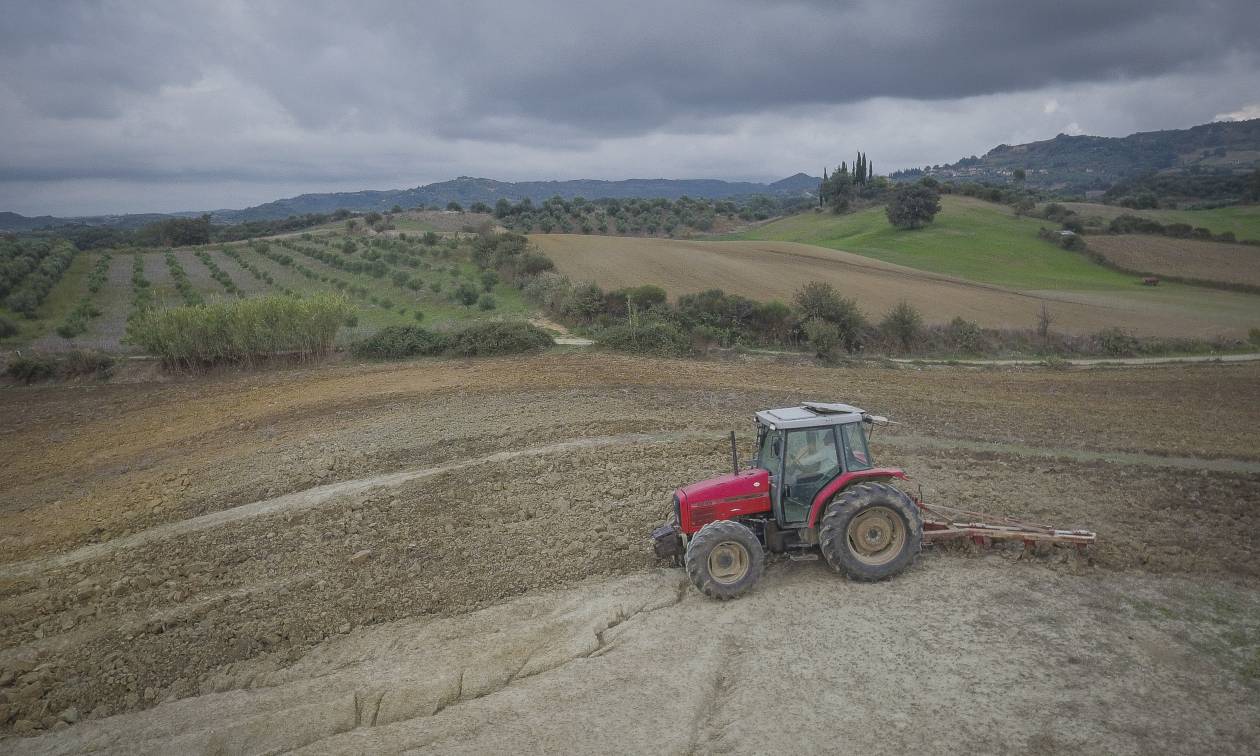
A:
[1185,258]
[775,270]
[450,555]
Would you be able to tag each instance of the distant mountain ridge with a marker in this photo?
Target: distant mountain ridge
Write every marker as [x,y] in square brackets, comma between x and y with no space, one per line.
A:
[1092,163]
[464,190]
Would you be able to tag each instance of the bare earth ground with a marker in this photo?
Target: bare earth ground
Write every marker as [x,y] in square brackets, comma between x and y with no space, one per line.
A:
[776,270]
[451,556]
[1186,258]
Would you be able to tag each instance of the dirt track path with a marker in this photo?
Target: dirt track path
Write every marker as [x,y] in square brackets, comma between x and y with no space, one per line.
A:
[954,651]
[1088,362]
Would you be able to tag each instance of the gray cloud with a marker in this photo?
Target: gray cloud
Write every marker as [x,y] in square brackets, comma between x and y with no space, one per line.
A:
[311,95]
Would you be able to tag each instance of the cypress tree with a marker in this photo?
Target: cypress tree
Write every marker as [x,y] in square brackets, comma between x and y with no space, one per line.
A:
[870,171]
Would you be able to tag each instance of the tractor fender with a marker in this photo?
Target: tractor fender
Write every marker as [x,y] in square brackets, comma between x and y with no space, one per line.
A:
[842,482]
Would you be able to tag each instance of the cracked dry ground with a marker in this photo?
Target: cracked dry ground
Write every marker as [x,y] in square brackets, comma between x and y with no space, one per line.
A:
[509,600]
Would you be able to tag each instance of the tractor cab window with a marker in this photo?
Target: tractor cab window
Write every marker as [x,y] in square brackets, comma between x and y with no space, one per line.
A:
[811,462]
[856,454]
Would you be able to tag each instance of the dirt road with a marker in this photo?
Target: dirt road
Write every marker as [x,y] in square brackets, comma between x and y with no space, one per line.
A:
[315,557]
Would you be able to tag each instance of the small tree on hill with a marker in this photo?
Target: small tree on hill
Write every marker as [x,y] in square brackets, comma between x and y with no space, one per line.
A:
[903,323]
[913,206]
[819,301]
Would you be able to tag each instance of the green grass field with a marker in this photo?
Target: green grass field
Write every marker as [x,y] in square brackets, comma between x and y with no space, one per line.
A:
[972,239]
[1242,220]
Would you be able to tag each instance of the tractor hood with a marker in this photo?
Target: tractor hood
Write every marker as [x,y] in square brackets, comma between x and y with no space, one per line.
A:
[753,480]
[723,498]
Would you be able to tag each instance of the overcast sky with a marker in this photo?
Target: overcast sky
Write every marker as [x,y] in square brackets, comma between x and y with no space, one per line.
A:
[160,106]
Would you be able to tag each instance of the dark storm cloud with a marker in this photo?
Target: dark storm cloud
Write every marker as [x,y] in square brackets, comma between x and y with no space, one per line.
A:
[310,90]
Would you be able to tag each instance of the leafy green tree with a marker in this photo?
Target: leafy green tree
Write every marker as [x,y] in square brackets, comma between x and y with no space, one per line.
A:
[913,206]
[453,205]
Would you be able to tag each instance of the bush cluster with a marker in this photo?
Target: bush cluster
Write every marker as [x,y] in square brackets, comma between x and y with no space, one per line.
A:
[475,340]
[240,332]
[73,364]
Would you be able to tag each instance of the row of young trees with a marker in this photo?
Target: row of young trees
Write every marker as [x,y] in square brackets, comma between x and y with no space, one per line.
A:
[29,268]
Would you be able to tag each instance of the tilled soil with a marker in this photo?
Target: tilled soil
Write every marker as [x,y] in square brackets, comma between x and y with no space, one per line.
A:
[180,613]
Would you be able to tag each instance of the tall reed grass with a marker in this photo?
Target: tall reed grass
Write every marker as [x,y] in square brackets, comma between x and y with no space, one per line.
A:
[242,332]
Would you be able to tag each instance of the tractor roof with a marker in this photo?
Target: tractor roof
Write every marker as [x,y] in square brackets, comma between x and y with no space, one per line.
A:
[810,415]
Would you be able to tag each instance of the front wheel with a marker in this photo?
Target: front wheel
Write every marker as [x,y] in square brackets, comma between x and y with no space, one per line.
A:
[871,531]
[725,559]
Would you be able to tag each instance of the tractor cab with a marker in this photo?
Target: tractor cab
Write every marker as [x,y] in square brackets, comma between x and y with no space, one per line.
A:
[804,448]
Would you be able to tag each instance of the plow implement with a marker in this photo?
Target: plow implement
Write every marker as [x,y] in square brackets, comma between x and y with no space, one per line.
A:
[941,523]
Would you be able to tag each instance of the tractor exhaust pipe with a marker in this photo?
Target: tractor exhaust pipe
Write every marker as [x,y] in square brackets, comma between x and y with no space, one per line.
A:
[734,456]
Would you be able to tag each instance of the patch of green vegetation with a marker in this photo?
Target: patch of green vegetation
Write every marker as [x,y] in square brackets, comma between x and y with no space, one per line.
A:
[969,238]
[1241,220]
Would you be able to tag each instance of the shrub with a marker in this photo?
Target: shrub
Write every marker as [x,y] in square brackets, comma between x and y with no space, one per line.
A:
[965,336]
[653,337]
[903,323]
[1115,342]
[1254,336]
[240,331]
[31,369]
[418,315]
[486,302]
[7,327]
[395,342]
[85,362]
[488,279]
[824,337]
[466,294]
[819,301]
[486,339]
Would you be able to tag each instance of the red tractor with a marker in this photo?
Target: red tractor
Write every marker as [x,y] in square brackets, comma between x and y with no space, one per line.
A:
[814,484]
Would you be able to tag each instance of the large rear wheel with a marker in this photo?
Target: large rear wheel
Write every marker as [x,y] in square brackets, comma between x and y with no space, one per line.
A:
[725,559]
[871,531]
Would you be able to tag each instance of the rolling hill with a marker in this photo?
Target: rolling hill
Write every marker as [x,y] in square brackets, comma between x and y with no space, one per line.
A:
[1084,163]
[464,190]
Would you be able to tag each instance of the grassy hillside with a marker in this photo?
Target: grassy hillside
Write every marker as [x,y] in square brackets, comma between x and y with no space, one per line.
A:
[1242,220]
[971,239]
